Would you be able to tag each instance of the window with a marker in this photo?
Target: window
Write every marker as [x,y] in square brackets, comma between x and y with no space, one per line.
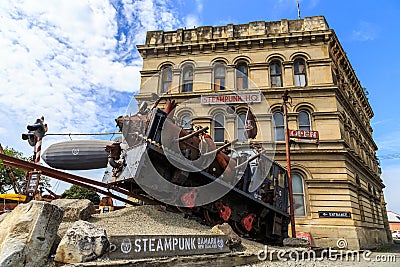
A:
[304,120]
[186,120]
[187,79]
[219,129]
[276,74]
[279,127]
[298,195]
[219,77]
[299,72]
[241,76]
[241,127]
[166,76]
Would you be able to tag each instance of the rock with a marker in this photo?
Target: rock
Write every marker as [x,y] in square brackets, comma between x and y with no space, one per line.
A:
[83,242]
[3,216]
[296,242]
[75,209]
[27,234]
[234,241]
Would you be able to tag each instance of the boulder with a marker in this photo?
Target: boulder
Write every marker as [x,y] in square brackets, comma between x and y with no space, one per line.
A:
[75,209]
[28,233]
[82,242]
[234,241]
[3,216]
[296,242]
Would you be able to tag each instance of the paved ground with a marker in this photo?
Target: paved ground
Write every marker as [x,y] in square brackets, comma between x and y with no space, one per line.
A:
[385,257]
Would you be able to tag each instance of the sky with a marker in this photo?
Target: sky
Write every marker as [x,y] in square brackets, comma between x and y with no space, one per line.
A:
[76,63]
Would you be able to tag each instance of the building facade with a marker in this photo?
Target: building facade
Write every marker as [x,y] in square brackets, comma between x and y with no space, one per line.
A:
[337,187]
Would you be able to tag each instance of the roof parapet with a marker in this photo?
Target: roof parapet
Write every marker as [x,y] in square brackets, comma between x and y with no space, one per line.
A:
[241,31]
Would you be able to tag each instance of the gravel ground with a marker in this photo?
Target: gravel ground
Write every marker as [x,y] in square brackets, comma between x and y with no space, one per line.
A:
[148,220]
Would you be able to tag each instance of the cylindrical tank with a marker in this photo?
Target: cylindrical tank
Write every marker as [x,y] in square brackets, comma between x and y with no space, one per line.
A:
[77,155]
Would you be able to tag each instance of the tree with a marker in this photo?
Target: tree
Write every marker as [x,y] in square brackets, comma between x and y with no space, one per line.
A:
[77,192]
[15,179]
[12,178]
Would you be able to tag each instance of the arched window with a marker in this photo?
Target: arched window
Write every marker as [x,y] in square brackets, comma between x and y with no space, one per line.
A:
[279,127]
[219,77]
[241,76]
[304,120]
[186,120]
[298,195]
[299,72]
[219,129]
[275,71]
[187,79]
[241,126]
[166,79]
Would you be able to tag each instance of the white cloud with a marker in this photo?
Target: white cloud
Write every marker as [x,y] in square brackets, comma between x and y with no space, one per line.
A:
[199,6]
[74,62]
[192,21]
[365,31]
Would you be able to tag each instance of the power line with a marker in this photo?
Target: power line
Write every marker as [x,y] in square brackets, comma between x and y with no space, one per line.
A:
[69,134]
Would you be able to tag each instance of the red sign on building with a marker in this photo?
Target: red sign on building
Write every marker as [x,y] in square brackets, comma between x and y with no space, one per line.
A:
[307,134]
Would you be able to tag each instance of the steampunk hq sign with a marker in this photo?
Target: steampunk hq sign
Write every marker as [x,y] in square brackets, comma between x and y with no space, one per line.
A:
[231,98]
[144,246]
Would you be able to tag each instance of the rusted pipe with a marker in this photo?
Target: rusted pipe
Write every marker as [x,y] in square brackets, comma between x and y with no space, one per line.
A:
[250,159]
[183,138]
[70,178]
[220,148]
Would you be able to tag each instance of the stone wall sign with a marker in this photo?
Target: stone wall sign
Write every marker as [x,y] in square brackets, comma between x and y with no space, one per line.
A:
[143,246]
[334,214]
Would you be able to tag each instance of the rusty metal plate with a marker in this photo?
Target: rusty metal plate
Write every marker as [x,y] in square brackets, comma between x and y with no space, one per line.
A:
[145,246]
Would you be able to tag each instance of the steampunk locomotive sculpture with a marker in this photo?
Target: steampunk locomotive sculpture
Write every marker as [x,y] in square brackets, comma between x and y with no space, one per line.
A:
[159,161]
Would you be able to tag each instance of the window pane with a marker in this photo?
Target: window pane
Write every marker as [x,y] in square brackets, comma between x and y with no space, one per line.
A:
[222,84]
[275,68]
[241,127]
[188,74]
[278,118]
[279,134]
[299,80]
[297,183]
[186,120]
[219,120]
[299,67]
[188,87]
[279,126]
[304,121]
[219,135]
[219,71]
[276,81]
[166,79]
[304,118]
[299,209]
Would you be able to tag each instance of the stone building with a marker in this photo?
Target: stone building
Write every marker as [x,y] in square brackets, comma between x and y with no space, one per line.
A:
[336,180]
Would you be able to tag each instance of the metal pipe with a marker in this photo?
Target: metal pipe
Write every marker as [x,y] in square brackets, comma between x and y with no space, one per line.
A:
[183,138]
[250,159]
[285,98]
[220,148]
[73,179]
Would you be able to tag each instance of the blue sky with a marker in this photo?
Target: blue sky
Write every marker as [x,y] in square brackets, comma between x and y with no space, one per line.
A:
[75,62]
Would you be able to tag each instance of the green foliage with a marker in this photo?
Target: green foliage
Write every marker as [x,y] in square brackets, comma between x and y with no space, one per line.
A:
[77,192]
[13,179]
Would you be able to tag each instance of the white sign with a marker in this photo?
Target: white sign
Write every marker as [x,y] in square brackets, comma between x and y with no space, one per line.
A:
[231,98]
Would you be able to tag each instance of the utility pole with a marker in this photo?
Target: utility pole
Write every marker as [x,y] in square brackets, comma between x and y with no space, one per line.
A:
[285,98]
